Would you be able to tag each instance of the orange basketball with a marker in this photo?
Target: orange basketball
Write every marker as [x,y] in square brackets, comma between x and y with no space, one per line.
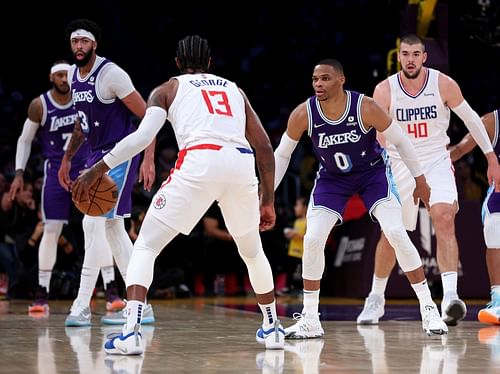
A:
[102,197]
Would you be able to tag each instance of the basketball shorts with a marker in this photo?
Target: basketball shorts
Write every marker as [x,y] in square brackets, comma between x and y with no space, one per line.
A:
[203,174]
[440,177]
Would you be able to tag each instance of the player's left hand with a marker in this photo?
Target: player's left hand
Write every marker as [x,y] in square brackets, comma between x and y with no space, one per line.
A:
[147,173]
[422,191]
[267,217]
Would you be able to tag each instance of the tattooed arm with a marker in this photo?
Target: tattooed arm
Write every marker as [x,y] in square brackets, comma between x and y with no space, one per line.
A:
[77,138]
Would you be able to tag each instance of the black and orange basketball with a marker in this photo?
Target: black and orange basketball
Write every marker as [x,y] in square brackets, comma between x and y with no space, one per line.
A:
[102,197]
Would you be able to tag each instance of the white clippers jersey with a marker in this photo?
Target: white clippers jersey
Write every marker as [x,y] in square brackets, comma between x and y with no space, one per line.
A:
[208,109]
[423,117]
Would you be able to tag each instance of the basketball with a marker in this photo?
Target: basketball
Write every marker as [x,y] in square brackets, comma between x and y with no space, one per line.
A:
[102,197]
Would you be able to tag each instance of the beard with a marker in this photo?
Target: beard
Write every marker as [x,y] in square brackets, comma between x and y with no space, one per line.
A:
[415,74]
[85,59]
[63,89]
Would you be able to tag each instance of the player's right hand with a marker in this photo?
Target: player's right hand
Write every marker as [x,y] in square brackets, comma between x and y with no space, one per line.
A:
[16,186]
[422,191]
[63,174]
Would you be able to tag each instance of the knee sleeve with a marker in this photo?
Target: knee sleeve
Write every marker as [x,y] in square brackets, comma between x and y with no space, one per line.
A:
[120,242]
[153,237]
[492,230]
[259,269]
[319,225]
[47,252]
[94,233]
[388,215]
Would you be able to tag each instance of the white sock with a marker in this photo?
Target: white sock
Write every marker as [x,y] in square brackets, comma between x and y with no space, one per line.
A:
[88,279]
[135,309]
[495,288]
[269,314]
[44,278]
[311,303]
[108,275]
[378,286]
[423,293]
[449,280]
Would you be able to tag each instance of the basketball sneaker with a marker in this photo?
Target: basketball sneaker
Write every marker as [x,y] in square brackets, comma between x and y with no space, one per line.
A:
[431,320]
[306,327]
[372,311]
[79,316]
[114,302]
[41,302]
[491,314]
[273,338]
[452,309]
[125,343]
[120,318]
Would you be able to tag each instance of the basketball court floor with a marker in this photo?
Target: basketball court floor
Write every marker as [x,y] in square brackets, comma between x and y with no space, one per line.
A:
[216,335]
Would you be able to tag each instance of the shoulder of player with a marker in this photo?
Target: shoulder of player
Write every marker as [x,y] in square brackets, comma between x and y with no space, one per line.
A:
[164,94]
[35,110]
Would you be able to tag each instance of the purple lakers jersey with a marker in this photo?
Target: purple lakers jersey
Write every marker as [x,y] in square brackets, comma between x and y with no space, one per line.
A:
[56,128]
[345,145]
[104,122]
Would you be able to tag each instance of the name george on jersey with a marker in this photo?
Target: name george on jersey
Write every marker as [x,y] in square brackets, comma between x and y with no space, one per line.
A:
[416,114]
[58,122]
[325,141]
[209,82]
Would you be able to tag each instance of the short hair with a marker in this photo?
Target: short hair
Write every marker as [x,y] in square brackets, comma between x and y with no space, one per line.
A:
[193,52]
[333,63]
[412,39]
[84,24]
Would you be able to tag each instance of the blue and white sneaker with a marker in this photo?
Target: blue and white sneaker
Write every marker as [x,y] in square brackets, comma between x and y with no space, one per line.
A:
[119,318]
[128,344]
[79,316]
[491,314]
[273,338]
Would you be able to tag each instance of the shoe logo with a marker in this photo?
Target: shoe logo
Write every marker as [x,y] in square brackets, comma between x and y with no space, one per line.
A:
[375,162]
[316,125]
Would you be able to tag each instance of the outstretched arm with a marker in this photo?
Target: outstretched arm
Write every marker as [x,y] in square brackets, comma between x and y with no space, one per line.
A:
[297,124]
[374,115]
[23,149]
[261,144]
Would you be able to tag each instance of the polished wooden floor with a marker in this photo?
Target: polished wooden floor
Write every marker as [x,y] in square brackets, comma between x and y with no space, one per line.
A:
[216,335]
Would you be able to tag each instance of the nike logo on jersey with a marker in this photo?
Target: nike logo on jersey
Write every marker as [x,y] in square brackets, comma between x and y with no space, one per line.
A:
[51,111]
[316,125]
[375,162]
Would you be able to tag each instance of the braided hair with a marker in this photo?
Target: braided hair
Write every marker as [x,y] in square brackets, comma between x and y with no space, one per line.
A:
[193,53]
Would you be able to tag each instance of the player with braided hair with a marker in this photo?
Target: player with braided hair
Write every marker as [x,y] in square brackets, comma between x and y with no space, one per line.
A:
[217,132]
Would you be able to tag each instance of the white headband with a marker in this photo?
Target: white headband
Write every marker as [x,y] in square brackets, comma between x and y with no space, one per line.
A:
[81,33]
[59,67]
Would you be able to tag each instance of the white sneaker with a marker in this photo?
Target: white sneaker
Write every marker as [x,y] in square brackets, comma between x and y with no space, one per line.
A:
[372,311]
[452,310]
[120,318]
[273,338]
[129,343]
[79,316]
[431,320]
[306,327]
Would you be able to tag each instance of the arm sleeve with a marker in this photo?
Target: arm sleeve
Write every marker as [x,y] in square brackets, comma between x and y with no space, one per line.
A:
[282,156]
[23,149]
[476,128]
[395,135]
[135,142]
